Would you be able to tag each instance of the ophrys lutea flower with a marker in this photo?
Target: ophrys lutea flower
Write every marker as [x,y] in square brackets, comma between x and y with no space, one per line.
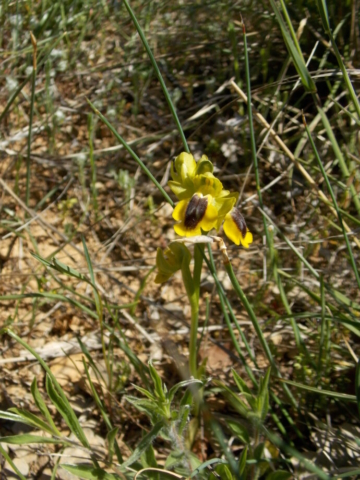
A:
[195,215]
[235,228]
[204,203]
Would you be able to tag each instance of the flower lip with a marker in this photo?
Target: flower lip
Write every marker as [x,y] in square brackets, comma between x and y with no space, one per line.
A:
[239,221]
[195,211]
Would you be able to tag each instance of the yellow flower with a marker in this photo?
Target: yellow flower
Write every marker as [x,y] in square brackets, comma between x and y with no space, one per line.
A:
[189,177]
[236,230]
[204,204]
[195,214]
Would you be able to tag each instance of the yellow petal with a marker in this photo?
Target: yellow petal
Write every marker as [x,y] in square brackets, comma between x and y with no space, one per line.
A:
[209,220]
[245,241]
[233,232]
[180,210]
[181,230]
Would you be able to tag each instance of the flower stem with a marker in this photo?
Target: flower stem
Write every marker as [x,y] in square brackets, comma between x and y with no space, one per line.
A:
[194,303]
[192,286]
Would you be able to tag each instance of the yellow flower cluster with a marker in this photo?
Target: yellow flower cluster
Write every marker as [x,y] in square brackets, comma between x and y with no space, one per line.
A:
[204,204]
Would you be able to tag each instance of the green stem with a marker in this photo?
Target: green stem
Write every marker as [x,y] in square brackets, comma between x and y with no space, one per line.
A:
[192,286]
[194,303]
[32,101]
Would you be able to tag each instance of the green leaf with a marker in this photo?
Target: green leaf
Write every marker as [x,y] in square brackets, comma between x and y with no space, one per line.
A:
[96,396]
[233,398]
[328,393]
[158,385]
[64,408]
[98,301]
[15,418]
[25,439]
[33,420]
[324,14]
[158,74]
[144,444]
[240,383]
[279,475]
[224,472]
[182,384]
[176,457]
[183,418]
[43,408]
[60,267]
[111,437]
[145,392]
[297,59]
[11,463]
[239,430]
[89,472]
[263,396]
[149,458]
[242,461]
[206,464]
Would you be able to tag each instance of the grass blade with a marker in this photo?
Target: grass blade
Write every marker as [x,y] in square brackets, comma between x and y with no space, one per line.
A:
[132,153]
[329,393]
[335,205]
[88,472]
[64,408]
[11,463]
[158,74]
[26,439]
[43,408]
[296,57]
[143,444]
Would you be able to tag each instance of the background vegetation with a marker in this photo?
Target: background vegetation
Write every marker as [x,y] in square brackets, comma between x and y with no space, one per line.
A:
[81,222]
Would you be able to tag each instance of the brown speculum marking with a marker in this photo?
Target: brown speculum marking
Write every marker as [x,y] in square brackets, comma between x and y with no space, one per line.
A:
[195,211]
[239,220]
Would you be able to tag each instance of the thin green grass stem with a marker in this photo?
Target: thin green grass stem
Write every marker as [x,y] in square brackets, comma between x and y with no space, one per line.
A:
[292,452]
[342,164]
[92,164]
[43,364]
[99,307]
[291,28]
[158,74]
[7,457]
[322,331]
[224,303]
[29,77]
[298,340]
[326,24]
[257,328]
[224,300]
[132,153]
[252,134]
[335,205]
[31,116]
